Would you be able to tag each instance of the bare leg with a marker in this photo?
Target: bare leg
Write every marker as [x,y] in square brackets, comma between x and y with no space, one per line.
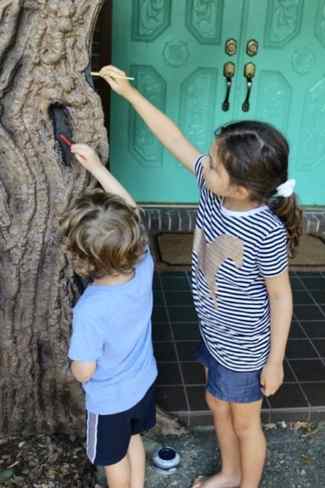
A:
[248,427]
[137,460]
[229,476]
[118,475]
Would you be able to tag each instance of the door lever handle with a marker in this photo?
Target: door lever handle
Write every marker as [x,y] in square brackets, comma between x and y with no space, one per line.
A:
[228,72]
[249,73]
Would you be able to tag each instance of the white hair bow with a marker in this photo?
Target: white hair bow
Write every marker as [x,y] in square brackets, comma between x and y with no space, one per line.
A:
[286,189]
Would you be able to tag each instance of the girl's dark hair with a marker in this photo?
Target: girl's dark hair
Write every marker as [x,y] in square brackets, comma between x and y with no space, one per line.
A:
[255,155]
[103,235]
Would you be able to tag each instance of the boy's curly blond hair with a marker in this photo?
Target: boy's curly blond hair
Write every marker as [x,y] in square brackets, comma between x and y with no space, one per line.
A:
[103,235]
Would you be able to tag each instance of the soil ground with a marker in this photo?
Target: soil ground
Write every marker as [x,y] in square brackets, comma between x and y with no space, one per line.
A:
[296,459]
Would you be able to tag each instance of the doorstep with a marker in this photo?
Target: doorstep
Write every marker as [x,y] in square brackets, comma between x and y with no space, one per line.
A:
[180,384]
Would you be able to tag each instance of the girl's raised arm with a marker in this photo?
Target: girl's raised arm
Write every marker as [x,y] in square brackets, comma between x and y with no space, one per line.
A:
[160,125]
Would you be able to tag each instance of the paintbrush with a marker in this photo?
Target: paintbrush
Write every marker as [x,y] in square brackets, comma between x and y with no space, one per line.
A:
[97,73]
[68,143]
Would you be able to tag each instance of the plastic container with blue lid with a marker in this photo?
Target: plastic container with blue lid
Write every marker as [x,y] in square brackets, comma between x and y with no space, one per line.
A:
[166,459]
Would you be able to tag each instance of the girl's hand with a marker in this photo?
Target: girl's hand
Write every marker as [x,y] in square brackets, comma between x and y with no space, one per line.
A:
[271,378]
[86,156]
[118,83]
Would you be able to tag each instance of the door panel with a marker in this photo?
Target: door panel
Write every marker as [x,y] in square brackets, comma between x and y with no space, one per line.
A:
[175,51]
[289,89]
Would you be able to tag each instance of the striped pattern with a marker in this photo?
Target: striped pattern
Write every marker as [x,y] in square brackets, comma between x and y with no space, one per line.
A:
[233,307]
[92,428]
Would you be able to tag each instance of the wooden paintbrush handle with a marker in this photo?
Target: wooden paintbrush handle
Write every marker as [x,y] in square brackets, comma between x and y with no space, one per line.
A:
[97,73]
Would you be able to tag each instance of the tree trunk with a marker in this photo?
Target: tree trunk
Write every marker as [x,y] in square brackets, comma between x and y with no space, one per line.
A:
[45,87]
[44,52]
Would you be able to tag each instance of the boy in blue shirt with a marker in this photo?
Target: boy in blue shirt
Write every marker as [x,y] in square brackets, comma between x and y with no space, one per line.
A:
[111,346]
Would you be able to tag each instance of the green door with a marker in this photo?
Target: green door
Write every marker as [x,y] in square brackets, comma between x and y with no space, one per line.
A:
[176,52]
[289,84]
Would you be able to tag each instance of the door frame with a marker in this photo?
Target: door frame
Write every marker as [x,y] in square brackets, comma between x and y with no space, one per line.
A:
[103,35]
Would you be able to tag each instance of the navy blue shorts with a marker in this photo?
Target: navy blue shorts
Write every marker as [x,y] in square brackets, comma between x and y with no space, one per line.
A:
[228,385]
[108,436]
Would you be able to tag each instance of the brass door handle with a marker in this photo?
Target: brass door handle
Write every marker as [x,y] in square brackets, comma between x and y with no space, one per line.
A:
[249,73]
[231,47]
[252,47]
[228,72]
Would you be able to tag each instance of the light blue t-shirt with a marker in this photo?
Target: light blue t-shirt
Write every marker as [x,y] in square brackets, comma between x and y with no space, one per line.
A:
[112,326]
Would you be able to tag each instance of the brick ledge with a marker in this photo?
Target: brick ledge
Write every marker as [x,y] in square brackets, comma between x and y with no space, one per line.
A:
[182,219]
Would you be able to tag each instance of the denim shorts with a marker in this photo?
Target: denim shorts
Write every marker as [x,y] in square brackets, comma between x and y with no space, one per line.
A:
[228,385]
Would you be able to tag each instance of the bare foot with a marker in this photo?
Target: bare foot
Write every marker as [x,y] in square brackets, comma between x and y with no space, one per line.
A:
[217,481]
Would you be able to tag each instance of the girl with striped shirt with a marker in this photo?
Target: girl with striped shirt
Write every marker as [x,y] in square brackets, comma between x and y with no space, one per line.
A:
[248,222]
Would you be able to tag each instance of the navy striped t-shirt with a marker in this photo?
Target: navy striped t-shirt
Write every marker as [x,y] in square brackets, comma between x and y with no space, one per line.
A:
[232,254]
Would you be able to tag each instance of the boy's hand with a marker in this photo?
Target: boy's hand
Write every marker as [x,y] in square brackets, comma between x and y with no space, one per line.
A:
[271,378]
[118,83]
[86,156]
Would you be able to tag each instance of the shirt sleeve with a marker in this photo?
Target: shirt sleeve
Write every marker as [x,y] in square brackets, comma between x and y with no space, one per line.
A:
[272,257]
[86,343]
[198,169]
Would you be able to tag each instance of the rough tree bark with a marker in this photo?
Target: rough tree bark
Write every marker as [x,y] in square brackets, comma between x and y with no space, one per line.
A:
[44,56]
[44,52]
